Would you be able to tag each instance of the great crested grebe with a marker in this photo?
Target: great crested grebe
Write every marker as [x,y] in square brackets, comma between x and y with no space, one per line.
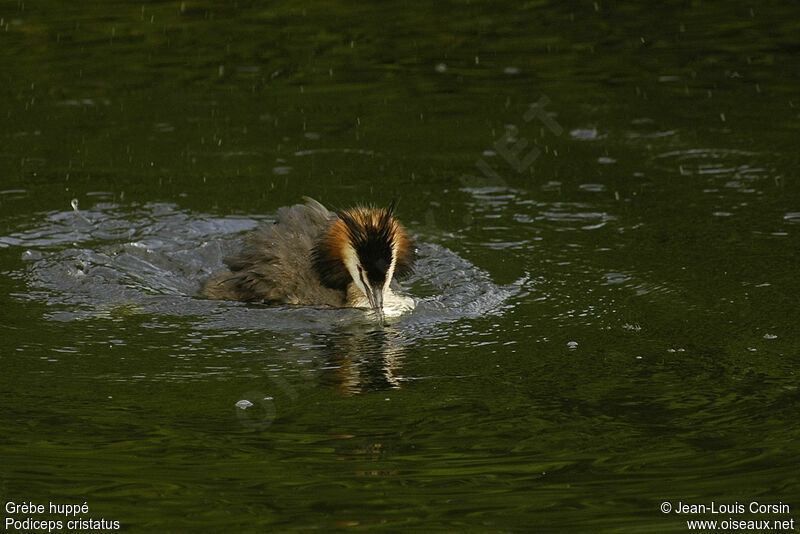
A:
[314,257]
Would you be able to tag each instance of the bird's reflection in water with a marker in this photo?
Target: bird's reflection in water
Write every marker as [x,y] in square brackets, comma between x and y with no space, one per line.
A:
[360,361]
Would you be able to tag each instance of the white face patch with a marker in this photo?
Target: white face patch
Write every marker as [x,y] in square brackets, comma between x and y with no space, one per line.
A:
[351,262]
[390,271]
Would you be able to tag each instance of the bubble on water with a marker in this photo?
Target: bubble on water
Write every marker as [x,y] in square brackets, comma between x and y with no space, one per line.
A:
[770,336]
[262,414]
[572,344]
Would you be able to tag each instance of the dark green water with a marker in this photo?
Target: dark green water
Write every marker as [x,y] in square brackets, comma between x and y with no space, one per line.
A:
[607,203]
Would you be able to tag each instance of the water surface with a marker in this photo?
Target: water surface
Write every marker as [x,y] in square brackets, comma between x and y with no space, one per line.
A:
[607,210]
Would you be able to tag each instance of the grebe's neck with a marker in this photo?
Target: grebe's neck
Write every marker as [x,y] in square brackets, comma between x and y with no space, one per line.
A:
[393,304]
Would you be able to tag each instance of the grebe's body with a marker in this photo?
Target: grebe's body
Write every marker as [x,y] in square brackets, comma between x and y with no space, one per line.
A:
[315,257]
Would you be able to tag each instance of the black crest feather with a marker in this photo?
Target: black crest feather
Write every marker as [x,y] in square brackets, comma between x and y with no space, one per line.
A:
[372,239]
[372,233]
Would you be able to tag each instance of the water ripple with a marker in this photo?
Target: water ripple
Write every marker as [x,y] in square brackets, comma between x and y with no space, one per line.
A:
[109,262]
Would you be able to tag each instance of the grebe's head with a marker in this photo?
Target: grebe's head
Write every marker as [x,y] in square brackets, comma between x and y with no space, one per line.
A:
[367,247]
